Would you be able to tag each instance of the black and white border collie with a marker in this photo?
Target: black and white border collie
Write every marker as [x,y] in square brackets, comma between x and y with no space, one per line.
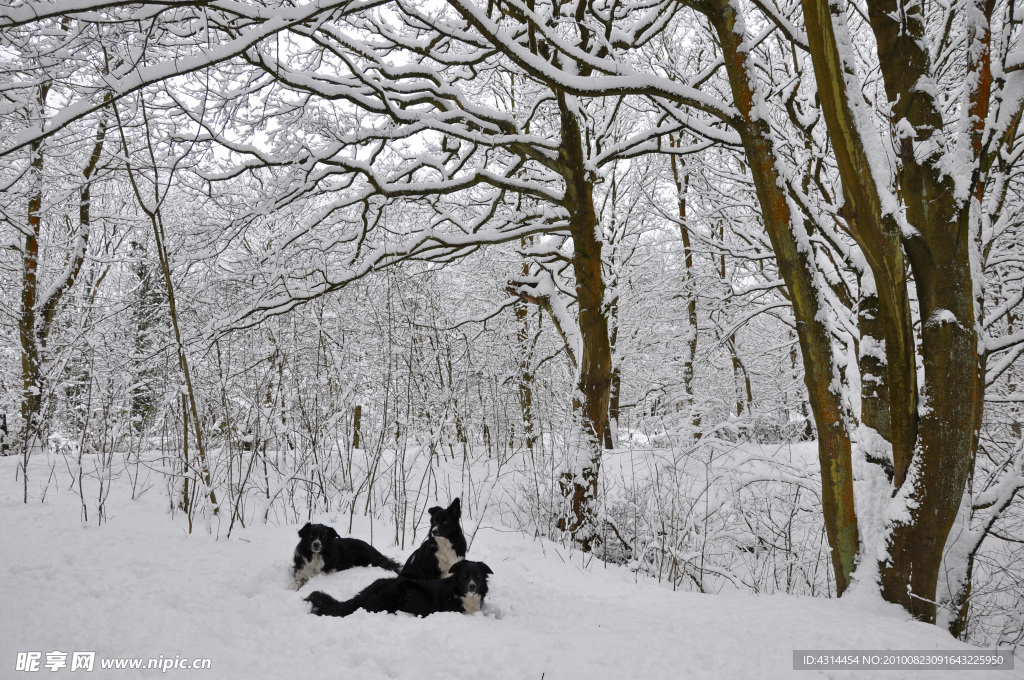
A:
[321,549]
[445,545]
[463,591]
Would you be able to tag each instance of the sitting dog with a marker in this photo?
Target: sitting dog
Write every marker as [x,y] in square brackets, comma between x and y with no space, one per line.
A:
[321,549]
[463,591]
[445,545]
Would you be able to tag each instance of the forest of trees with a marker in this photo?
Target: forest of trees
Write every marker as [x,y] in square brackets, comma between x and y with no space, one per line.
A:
[283,254]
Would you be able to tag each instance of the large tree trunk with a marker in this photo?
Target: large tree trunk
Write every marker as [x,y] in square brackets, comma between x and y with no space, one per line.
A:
[873,224]
[940,258]
[38,310]
[947,438]
[31,368]
[595,361]
[796,265]
[933,447]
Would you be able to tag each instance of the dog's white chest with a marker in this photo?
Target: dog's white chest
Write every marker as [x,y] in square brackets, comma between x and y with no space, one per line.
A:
[446,556]
[310,569]
[471,603]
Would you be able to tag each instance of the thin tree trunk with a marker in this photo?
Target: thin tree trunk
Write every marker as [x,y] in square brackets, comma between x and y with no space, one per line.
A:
[874,383]
[525,360]
[682,185]
[741,380]
[874,386]
[357,425]
[611,430]
[156,221]
[808,433]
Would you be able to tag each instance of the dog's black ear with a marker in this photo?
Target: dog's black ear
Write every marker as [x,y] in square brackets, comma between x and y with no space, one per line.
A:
[485,568]
[457,567]
[304,531]
[455,508]
[434,510]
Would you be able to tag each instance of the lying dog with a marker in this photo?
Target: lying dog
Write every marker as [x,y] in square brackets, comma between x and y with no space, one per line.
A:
[445,545]
[463,591]
[321,549]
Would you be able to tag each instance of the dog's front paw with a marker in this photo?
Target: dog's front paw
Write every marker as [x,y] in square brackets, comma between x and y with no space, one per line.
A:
[317,602]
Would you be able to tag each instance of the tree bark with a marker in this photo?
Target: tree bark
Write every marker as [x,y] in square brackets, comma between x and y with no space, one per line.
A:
[682,185]
[933,452]
[156,221]
[874,386]
[522,313]
[796,265]
[873,224]
[37,314]
[357,425]
[31,370]
[595,367]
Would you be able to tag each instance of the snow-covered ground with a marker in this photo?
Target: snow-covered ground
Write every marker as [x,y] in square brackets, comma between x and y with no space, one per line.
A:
[139,587]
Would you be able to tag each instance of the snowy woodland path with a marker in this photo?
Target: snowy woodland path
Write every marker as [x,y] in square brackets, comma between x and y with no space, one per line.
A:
[138,586]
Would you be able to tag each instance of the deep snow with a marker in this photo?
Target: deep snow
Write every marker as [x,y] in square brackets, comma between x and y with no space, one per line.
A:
[138,586]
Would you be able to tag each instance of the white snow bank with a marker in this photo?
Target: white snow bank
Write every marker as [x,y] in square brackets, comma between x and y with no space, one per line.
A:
[137,586]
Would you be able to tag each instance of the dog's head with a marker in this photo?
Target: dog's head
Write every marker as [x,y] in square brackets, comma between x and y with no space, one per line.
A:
[314,537]
[444,522]
[471,577]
